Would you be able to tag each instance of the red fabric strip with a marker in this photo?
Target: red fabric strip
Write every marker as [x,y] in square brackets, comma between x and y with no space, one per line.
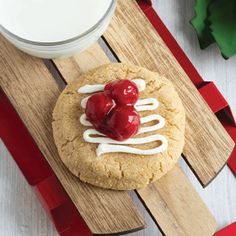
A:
[230,230]
[21,145]
[213,97]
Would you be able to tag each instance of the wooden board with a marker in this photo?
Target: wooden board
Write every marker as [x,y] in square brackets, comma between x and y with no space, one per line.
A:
[172,200]
[176,206]
[71,68]
[134,40]
[33,92]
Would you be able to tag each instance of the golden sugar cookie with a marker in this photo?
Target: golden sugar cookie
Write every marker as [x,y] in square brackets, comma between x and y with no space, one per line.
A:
[109,159]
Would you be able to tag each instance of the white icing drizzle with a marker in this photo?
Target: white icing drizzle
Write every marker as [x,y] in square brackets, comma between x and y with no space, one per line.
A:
[84,102]
[83,120]
[140,83]
[102,139]
[93,88]
[146,104]
[146,119]
[107,145]
[105,148]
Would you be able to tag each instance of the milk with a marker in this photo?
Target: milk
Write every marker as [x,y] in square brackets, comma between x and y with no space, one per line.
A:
[51,20]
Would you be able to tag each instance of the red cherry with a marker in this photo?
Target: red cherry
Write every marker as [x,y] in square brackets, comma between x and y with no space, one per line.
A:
[122,122]
[97,108]
[109,87]
[116,118]
[124,92]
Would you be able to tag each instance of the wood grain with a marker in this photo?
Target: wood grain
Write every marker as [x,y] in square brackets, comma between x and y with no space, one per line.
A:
[33,92]
[134,40]
[176,207]
[72,67]
[172,200]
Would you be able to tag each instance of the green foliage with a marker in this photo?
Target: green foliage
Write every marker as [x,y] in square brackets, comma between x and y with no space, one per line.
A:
[215,21]
[201,24]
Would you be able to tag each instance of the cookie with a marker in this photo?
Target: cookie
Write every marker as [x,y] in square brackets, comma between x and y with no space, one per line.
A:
[122,165]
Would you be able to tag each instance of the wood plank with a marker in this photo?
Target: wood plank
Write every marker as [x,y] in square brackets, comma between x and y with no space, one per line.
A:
[72,67]
[33,92]
[172,200]
[176,207]
[133,39]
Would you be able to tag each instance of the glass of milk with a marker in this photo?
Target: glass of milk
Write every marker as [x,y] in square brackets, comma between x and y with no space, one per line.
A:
[54,28]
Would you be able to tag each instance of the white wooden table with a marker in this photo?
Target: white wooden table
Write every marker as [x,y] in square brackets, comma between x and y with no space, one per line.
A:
[21,213]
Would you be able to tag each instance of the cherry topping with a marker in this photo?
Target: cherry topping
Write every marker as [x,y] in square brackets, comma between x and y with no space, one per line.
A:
[112,112]
[123,122]
[124,92]
[98,106]
[109,87]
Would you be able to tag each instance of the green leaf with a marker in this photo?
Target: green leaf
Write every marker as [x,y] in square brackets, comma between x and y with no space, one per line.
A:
[222,18]
[201,24]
